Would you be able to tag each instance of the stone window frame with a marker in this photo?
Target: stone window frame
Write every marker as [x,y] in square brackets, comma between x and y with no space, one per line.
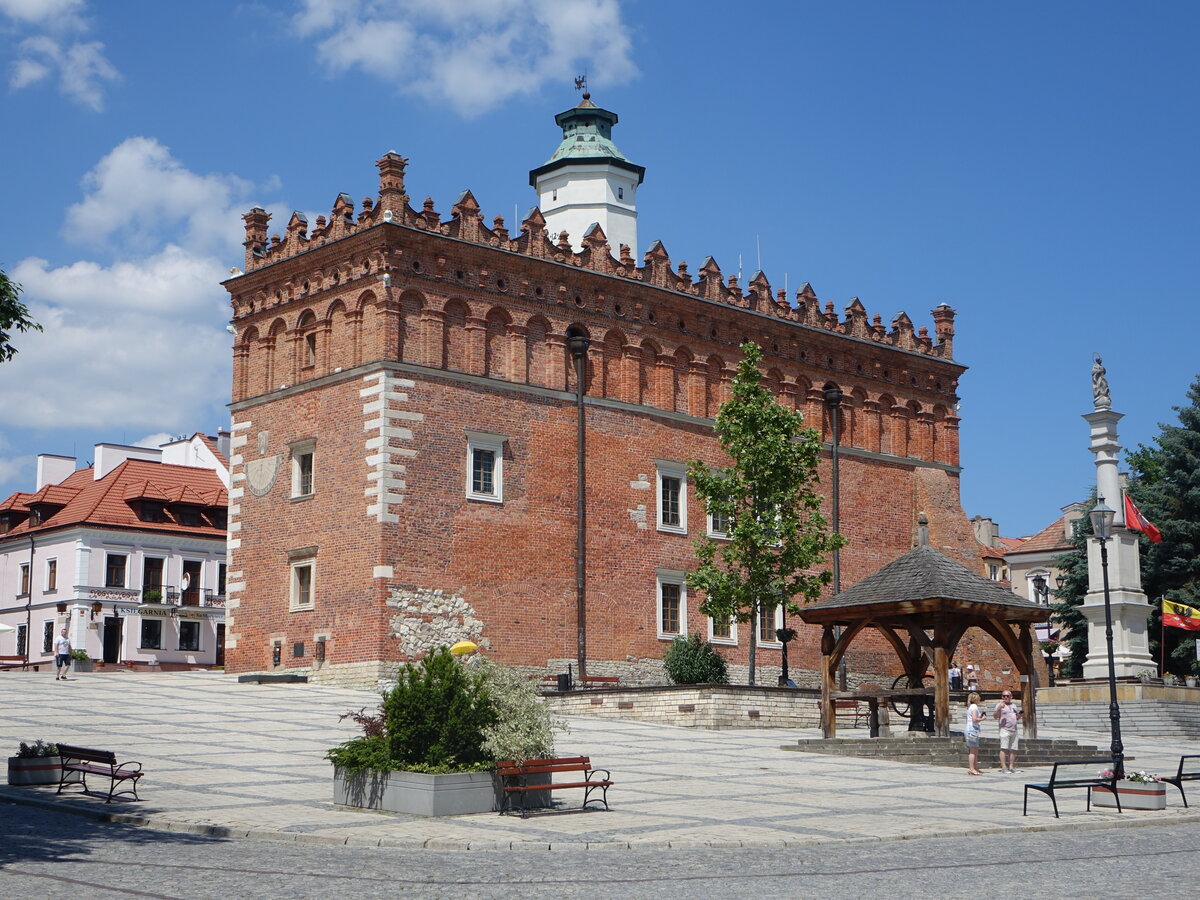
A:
[677,578]
[714,638]
[487,442]
[299,559]
[299,451]
[668,469]
[774,642]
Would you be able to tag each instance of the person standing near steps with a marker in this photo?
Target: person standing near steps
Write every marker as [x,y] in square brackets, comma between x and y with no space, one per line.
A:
[975,716]
[1009,716]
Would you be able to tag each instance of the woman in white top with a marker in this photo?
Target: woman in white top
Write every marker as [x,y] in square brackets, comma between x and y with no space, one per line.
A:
[974,717]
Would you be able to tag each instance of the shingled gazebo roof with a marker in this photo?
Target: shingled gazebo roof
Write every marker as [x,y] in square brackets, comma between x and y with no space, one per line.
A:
[923,581]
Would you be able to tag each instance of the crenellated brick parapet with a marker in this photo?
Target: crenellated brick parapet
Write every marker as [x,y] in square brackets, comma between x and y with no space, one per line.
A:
[390,282]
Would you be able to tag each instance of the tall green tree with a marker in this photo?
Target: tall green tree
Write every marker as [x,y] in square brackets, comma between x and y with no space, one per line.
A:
[13,314]
[1166,487]
[778,538]
[1065,611]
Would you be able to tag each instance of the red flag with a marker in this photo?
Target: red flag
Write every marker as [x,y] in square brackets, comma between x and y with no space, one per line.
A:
[1135,520]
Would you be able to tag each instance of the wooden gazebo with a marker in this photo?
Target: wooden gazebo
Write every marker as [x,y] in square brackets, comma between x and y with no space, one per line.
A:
[923,603]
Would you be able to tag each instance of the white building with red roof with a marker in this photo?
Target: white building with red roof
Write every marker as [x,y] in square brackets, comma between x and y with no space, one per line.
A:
[127,553]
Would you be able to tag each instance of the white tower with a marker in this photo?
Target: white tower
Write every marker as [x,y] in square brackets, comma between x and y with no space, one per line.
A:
[588,181]
[1130,610]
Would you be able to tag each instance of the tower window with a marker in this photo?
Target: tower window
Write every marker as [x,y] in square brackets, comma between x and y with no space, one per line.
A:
[554,195]
[620,193]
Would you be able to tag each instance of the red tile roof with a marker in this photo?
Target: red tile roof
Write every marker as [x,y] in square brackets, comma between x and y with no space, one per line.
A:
[212,445]
[107,501]
[1049,538]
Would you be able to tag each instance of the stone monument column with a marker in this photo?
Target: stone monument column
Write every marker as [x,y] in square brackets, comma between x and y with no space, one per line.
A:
[1130,610]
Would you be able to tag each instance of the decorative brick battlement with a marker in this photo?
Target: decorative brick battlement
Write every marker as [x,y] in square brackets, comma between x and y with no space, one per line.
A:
[391,207]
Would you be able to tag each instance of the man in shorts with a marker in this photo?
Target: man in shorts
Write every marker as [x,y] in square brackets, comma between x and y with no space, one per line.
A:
[1009,716]
[62,656]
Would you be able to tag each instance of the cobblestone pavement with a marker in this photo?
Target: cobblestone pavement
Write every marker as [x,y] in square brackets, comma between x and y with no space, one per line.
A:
[46,854]
[240,760]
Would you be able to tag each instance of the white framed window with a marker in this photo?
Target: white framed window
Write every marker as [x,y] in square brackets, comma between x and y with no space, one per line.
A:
[24,588]
[151,636]
[302,577]
[672,496]
[189,634]
[51,576]
[485,466]
[722,632]
[767,625]
[994,571]
[672,603]
[303,458]
[718,526]
[114,570]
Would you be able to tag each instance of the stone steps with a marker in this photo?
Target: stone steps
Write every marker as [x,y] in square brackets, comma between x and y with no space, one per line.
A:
[1151,718]
[949,751]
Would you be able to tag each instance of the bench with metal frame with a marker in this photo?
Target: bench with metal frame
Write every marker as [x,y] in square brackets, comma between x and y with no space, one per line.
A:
[1188,771]
[848,709]
[514,777]
[1095,780]
[87,761]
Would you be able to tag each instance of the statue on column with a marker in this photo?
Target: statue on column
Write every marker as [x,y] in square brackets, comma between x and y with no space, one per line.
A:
[1100,393]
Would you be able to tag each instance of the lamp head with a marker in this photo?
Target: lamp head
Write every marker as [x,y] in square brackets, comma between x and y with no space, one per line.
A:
[1039,584]
[1102,516]
[833,395]
[577,343]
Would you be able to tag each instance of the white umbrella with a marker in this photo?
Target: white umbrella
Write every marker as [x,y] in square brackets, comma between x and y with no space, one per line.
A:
[5,628]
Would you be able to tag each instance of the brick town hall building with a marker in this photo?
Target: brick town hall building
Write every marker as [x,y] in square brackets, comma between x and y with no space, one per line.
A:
[404,449]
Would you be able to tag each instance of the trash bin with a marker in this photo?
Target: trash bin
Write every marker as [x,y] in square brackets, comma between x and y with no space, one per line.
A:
[564,681]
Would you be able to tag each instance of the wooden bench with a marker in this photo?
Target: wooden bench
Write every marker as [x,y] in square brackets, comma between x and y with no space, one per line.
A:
[87,762]
[848,709]
[591,681]
[1188,771]
[17,662]
[1092,780]
[515,779]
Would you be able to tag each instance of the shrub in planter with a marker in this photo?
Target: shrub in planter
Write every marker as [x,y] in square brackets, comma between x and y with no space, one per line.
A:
[693,660]
[36,763]
[524,727]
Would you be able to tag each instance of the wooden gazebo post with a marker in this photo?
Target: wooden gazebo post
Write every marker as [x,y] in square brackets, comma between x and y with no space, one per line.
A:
[941,677]
[828,713]
[1029,689]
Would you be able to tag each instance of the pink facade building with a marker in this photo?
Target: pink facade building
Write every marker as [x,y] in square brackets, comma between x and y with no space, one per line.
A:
[127,553]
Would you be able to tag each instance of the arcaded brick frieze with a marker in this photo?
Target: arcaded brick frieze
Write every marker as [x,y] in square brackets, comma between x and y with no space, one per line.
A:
[395,284]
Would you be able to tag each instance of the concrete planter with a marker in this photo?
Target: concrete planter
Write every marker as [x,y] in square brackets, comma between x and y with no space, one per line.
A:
[415,793]
[36,770]
[1134,795]
[82,665]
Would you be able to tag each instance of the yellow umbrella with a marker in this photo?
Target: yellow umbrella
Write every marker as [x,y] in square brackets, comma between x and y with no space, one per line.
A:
[462,648]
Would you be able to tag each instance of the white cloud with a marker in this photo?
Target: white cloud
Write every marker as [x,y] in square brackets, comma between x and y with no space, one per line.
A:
[155,440]
[139,188]
[81,67]
[471,54]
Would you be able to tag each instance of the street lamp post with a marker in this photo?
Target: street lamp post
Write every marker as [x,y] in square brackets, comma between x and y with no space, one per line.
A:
[833,399]
[577,343]
[1102,518]
[1042,591]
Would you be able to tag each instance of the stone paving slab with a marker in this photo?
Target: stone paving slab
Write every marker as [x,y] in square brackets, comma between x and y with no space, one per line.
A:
[245,760]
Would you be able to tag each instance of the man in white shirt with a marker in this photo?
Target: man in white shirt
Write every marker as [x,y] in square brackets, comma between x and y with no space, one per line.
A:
[62,656]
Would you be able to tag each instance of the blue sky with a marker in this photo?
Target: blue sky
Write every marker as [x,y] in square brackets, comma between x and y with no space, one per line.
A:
[1032,165]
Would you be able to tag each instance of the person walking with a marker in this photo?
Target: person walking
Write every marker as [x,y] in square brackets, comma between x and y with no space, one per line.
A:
[62,656]
[1008,715]
[971,734]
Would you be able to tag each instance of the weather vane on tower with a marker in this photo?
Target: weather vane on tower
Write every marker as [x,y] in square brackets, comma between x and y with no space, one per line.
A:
[581,85]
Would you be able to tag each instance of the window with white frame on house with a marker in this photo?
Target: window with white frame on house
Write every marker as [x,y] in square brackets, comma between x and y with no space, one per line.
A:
[189,635]
[722,631]
[114,570]
[48,637]
[303,457]
[24,586]
[672,603]
[719,524]
[151,636]
[672,496]
[485,466]
[303,577]
[768,623]
[51,575]
[994,571]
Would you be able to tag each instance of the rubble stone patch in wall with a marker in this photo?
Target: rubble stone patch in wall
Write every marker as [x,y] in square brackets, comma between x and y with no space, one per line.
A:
[428,618]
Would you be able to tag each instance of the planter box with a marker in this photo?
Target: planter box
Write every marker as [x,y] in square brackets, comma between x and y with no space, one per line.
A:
[1134,795]
[82,665]
[36,770]
[418,794]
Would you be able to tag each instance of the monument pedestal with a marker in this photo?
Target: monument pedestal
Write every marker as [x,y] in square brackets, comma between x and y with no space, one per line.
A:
[1130,610]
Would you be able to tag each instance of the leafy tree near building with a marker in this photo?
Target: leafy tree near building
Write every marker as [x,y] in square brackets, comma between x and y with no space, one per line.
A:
[777,536]
[1166,488]
[1065,610]
[13,315]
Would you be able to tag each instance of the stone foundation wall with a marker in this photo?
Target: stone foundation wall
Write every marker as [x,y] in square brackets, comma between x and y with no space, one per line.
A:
[697,706]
